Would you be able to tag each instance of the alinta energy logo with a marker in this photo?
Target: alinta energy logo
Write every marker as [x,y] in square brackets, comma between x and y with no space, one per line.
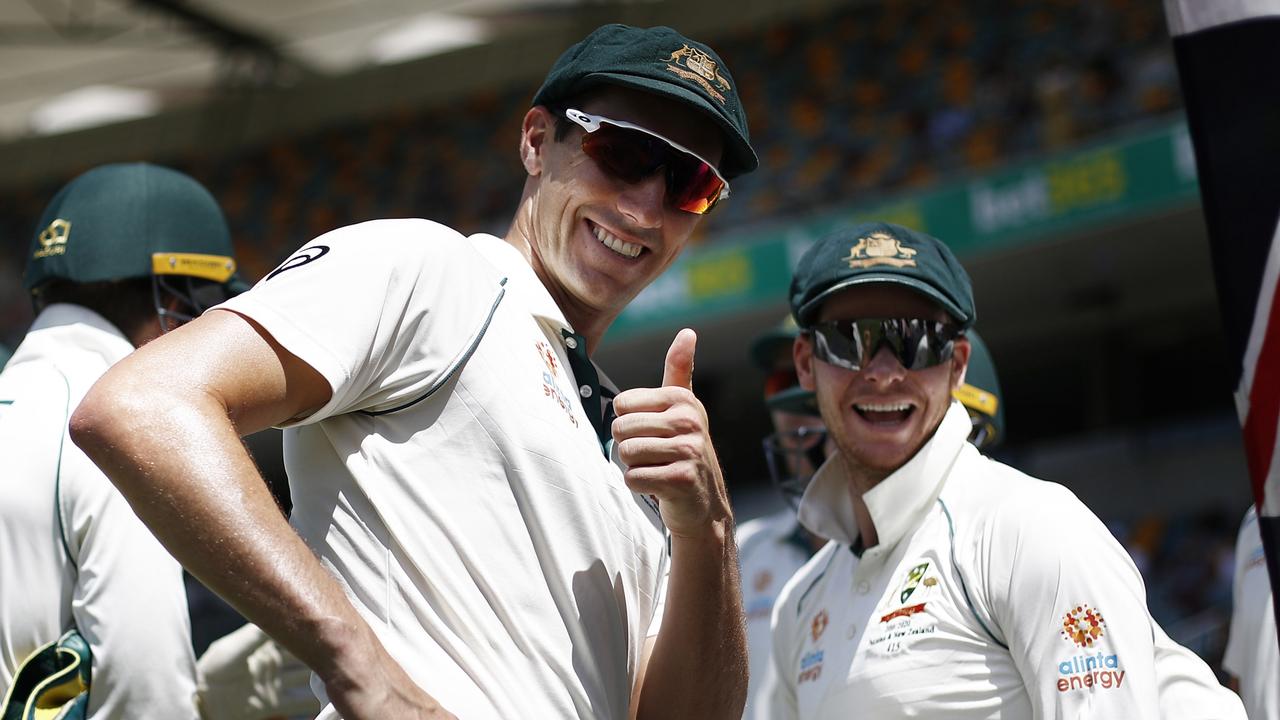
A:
[811,662]
[1084,627]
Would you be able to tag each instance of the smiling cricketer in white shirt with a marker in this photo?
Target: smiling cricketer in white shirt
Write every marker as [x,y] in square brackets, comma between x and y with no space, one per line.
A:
[953,586]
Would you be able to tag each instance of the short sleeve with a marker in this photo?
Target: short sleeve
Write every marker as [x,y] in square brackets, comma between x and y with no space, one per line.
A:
[385,310]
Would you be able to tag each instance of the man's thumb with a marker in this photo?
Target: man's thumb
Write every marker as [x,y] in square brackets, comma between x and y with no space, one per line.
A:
[678,369]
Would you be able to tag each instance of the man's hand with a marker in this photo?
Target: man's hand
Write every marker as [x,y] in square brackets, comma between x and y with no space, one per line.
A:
[662,437]
[383,690]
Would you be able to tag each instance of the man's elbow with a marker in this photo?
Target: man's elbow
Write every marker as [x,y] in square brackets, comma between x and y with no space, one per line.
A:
[104,417]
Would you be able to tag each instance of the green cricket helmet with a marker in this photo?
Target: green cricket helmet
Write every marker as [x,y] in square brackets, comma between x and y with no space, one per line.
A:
[980,395]
[135,220]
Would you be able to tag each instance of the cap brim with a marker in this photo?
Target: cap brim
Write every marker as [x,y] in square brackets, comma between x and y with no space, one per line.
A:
[766,348]
[808,309]
[739,157]
[795,400]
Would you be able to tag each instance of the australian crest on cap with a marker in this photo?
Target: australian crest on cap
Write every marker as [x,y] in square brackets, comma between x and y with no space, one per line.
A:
[53,239]
[699,67]
[880,248]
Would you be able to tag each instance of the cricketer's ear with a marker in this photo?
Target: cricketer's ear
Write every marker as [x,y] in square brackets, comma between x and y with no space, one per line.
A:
[802,355]
[959,362]
[537,129]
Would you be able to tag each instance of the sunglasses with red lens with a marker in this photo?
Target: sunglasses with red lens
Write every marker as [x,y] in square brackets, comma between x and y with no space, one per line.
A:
[632,153]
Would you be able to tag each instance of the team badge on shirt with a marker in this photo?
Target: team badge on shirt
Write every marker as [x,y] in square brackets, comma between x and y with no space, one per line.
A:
[903,618]
[914,576]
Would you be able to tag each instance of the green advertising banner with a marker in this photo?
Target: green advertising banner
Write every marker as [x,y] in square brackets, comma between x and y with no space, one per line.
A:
[1130,176]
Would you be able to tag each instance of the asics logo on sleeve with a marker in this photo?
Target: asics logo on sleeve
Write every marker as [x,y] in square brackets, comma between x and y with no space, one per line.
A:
[300,258]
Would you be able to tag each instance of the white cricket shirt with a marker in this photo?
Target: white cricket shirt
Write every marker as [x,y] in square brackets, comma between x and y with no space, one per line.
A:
[770,550]
[1252,654]
[453,482]
[990,595]
[71,550]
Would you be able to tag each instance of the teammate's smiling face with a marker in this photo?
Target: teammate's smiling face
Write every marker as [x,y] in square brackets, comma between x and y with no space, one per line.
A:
[596,241]
[880,416]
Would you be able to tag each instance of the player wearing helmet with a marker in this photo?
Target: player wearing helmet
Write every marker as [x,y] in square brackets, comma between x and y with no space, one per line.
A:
[122,254]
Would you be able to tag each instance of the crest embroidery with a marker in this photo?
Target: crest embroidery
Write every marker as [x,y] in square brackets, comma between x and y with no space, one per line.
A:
[880,249]
[698,67]
[914,576]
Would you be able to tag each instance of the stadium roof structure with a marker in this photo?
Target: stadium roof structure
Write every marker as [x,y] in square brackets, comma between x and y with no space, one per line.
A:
[71,64]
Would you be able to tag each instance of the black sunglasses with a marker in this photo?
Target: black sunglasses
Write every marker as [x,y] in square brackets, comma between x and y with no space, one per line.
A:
[917,344]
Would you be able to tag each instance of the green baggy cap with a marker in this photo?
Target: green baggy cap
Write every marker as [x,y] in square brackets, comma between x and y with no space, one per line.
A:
[123,221]
[881,252]
[661,61]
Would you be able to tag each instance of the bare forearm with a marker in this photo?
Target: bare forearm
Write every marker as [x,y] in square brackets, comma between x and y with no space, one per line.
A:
[183,469]
[698,668]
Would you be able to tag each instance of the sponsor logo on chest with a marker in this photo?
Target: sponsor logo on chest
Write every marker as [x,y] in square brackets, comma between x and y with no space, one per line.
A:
[811,662]
[760,600]
[551,380]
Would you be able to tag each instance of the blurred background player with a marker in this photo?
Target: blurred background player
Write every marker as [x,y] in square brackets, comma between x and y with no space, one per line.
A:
[121,255]
[1252,657]
[246,675]
[980,395]
[773,547]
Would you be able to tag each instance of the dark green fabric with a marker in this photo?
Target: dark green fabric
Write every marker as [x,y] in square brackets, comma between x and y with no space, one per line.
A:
[795,400]
[597,402]
[769,349]
[881,253]
[107,223]
[57,675]
[774,343]
[661,61]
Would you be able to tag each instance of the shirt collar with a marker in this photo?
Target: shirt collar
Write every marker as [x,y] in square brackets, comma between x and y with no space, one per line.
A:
[897,502]
[62,323]
[520,278]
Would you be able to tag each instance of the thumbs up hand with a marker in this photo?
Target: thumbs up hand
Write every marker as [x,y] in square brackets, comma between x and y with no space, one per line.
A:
[661,434]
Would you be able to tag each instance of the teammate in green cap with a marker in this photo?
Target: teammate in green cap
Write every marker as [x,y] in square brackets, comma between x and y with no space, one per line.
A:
[122,254]
[473,531]
[980,395]
[772,548]
[953,585]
